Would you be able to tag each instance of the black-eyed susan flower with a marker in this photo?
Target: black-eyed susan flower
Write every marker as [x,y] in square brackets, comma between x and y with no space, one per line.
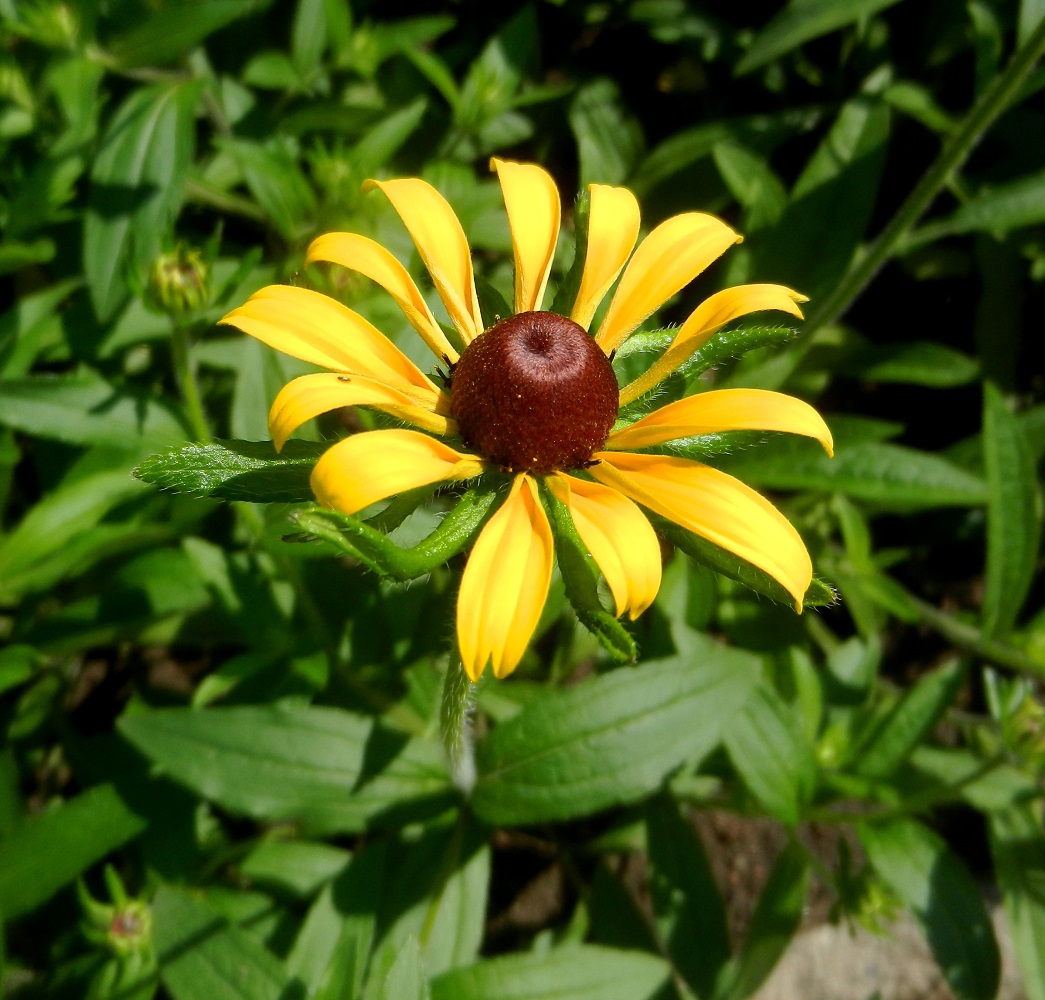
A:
[535,395]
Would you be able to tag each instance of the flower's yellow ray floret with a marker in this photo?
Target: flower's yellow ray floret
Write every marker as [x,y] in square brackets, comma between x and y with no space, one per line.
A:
[619,537]
[358,253]
[319,329]
[710,316]
[365,468]
[724,410]
[715,506]
[532,202]
[613,228]
[310,395]
[665,261]
[443,247]
[505,583]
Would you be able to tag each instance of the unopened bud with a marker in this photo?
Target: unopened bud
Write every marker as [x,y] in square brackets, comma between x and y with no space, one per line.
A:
[179,282]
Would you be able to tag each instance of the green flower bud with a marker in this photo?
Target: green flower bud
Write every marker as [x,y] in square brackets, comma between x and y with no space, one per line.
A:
[179,282]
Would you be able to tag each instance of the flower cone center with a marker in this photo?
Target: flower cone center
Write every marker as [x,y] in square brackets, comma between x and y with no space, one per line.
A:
[534,393]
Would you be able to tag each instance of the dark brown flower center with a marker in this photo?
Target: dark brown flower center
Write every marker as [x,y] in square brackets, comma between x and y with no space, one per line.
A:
[534,393]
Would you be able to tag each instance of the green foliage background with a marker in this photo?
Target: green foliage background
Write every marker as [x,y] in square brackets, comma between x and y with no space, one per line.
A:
[206,713]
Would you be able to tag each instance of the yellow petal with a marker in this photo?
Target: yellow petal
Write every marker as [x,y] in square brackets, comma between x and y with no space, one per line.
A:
[358,253]
[367,467]
[505,583]
[666,261]
[715,506]
[317,328]
[532,202]
[613,228]
[724,410]
[621,541]
[310,395]
[711,315]
[443,247]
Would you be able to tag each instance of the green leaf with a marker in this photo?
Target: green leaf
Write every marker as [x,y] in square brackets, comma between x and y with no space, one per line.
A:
[753,183]
[171,31]
[818,235]
[609,141]
[406,979]
[495,76]
[236,470]
[918,362]
[944,898]
[275,180]
[896,737]
[308,36]
[200,955]
[382,142]
[690,914]
[51,849]
[722,561]
[137,184]
[1014,205]
[893,476]
[581,972]
[332,948]
[1013,521]
[84,409]
[776,919]
[1018,848]
[573,752]
[767,746]
[801,21]
[329,770]
[62,533]
[298,867]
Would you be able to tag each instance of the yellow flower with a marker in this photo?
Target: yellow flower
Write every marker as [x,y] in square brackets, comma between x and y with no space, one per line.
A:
[535,395]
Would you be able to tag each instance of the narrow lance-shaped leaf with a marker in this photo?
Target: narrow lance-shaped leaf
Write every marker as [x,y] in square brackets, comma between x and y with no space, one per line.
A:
[136,187]
[202,956]
[766,745]
[943,897]
[1013,521]
[50,850]
[777,918]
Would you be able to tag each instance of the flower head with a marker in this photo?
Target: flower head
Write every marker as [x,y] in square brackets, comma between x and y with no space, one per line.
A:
[535,395]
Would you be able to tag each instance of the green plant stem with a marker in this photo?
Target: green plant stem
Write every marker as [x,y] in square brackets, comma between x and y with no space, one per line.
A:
[970,639]
[992,103]
[456,725]
[185,372]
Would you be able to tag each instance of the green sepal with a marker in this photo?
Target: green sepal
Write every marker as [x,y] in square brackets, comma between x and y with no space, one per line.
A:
[818,595]
[580,575]
[377,551]
[566,293]
[236,470]
[726,345]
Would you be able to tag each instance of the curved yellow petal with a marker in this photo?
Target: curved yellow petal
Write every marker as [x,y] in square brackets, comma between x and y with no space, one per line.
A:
[532,202]
[621,541]
[367,467]
[711,315]
[665,261]
[443,247]
[724,410]
[505,583]
[314,327]
[310,395]
[716,507]
[613,228]
[358,253]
